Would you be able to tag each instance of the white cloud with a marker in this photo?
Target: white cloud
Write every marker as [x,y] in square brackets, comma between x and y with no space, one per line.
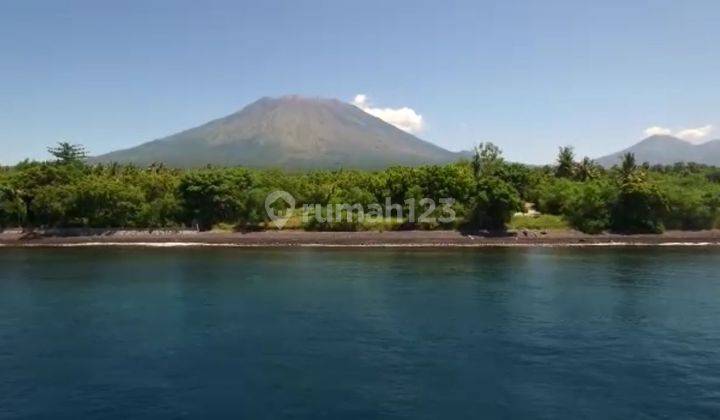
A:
[403,118]
[360,100]
[657,131]
[694,135]
[691,135]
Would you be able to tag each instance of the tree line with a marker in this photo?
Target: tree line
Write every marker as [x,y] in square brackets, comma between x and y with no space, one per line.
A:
[630,197]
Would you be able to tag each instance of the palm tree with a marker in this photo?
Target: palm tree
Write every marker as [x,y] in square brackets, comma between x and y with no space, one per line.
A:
[586,170]
[628,165]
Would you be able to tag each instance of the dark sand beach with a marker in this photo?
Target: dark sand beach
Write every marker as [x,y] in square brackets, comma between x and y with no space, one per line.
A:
[290,238]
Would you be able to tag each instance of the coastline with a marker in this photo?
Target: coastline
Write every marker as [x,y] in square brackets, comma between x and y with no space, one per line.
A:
[365,239]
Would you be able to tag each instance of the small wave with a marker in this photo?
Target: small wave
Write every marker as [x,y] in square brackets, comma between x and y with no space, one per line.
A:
[689,243]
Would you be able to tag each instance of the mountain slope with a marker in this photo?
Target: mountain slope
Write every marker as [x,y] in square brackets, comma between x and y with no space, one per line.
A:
[667,150]
[289,132]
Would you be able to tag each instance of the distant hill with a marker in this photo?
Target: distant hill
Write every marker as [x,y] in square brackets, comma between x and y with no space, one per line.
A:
[667,150]
[289,132]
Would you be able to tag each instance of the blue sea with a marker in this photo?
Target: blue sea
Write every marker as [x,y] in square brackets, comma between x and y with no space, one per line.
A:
[121,333]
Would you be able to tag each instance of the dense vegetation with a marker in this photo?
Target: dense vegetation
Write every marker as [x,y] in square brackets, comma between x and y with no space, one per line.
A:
[67,192]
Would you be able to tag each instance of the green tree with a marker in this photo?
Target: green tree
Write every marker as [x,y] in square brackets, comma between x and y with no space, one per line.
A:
[54,205]
[494,204]
[67,153]
[565,163]
[586,170]
[555,195]
[105,202]
[640,206]
[495,200]
[628,165]
[589,209]
[521,177]
[212,196]
[487,160]
[11,206]
[398,180]
[161,212]
[28,179]
[690,207]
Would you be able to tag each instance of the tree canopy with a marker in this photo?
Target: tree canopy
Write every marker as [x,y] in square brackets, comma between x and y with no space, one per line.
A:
[487,192]
[66,153]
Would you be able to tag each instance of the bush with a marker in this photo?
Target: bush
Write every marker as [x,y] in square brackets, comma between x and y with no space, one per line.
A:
[213,196]
[554,196]
[639,208]
[589,210]
[691,209]
[494,204]
[163,211]
[55,205]
[12,212]
[101,202]
[253,211]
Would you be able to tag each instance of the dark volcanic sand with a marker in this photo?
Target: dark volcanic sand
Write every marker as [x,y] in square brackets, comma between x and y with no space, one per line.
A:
[371,238]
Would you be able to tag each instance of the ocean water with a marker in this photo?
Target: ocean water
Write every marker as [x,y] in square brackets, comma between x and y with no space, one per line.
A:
[119,333]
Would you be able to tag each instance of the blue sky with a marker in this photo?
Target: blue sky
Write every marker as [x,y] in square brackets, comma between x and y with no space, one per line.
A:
[527,75]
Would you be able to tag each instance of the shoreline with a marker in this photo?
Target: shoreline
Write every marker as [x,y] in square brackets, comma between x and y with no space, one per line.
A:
[365,239]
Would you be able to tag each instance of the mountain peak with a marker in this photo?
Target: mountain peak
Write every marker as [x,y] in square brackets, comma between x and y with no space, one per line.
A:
[302,98]
[667,150]
[297,99]
[662,138]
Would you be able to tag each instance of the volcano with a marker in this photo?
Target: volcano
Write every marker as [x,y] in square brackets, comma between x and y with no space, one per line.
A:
[290,132]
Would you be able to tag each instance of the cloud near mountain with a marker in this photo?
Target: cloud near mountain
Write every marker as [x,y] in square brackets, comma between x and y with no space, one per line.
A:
[403,118]
[691,135]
